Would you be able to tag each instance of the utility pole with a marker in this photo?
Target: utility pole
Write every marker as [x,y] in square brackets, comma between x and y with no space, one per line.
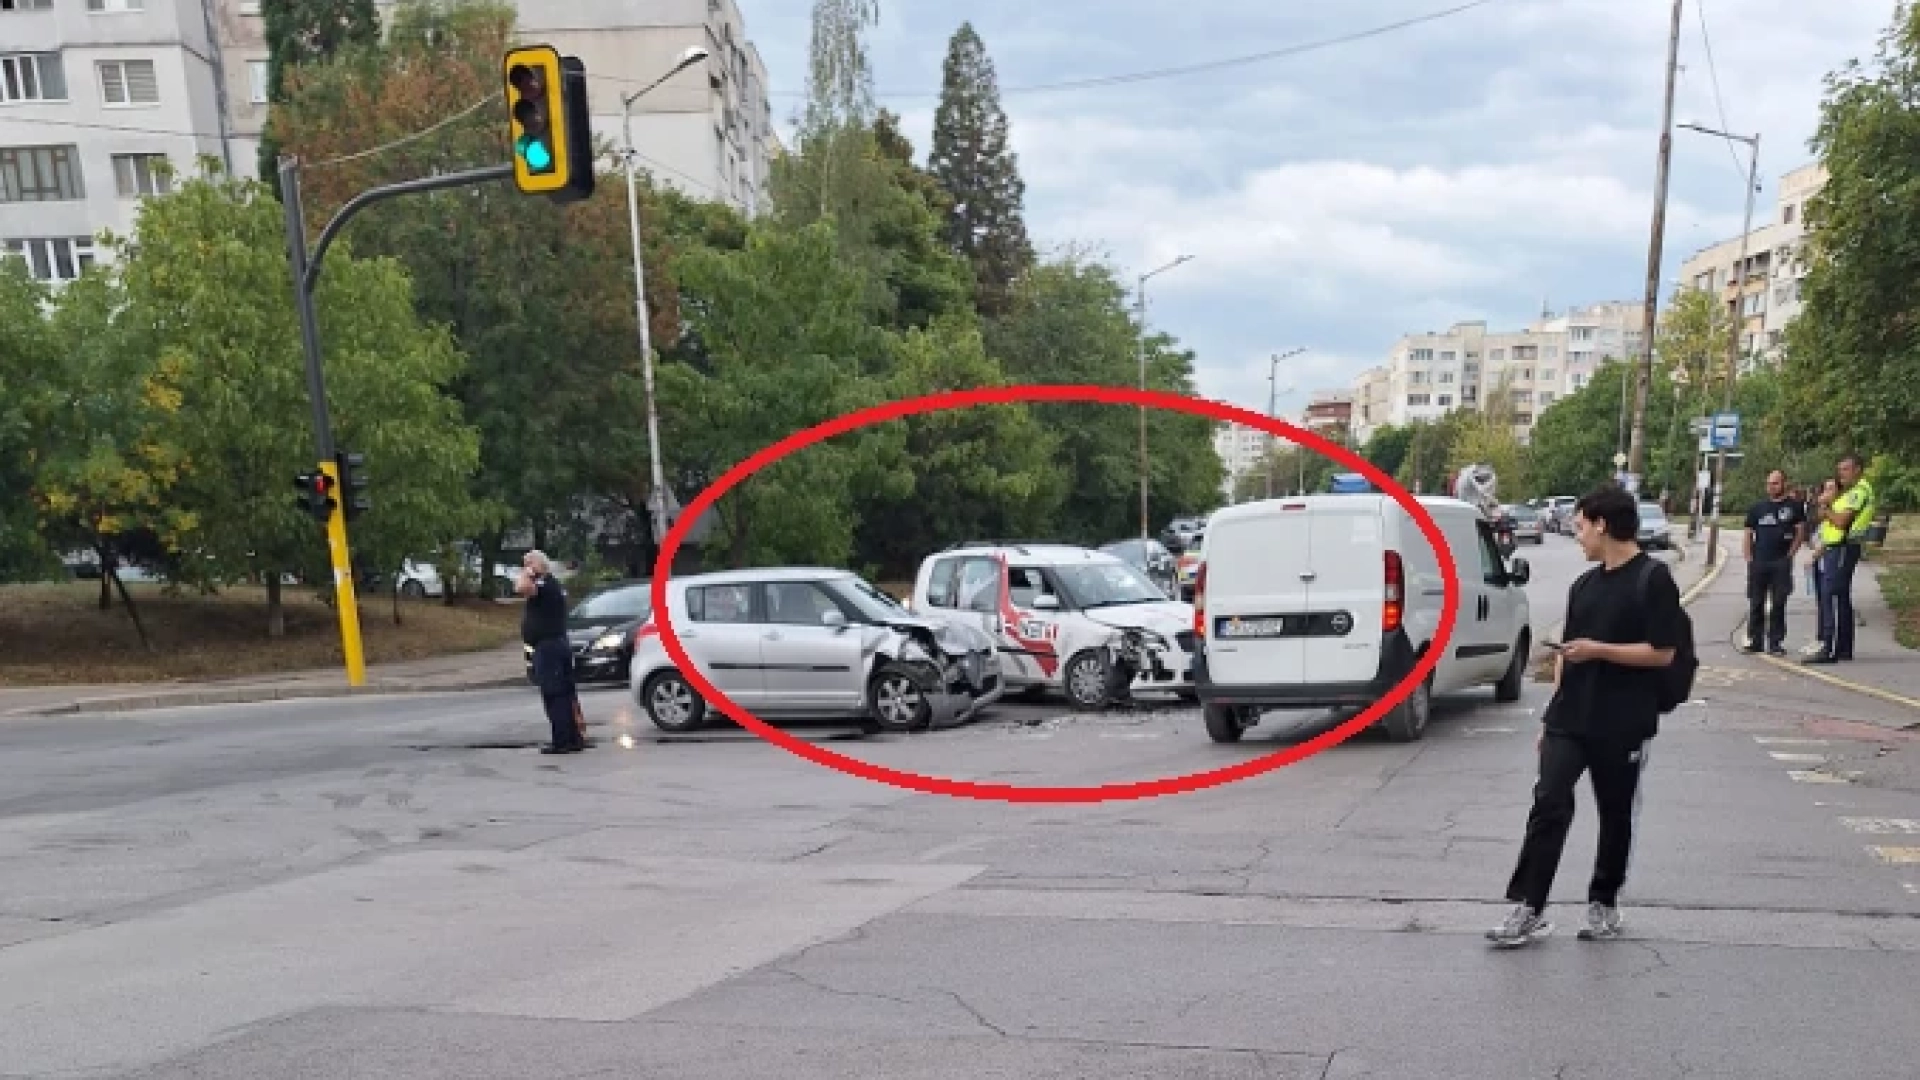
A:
[1643,378]
[1141,300]
[1273,387]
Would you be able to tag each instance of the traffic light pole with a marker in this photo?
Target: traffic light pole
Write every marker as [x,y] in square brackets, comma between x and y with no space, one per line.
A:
[306,276]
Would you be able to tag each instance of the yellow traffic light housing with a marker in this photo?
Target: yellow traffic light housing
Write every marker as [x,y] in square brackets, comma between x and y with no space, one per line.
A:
[549,123]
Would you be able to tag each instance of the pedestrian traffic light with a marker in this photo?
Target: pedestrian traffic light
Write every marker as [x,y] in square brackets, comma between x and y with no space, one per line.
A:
[316,495]
[352,470]
[549,124]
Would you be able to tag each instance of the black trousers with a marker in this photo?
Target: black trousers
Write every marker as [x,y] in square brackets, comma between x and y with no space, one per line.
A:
[1768,581]
[553,669]
[1837,565]
[1615,766]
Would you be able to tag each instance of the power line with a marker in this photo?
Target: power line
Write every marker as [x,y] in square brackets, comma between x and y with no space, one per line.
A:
[405,139]
[1714,75]
[119,127]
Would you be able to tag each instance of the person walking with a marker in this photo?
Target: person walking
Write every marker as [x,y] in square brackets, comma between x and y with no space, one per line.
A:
[1623,624]
[543,626]
[1844,521]
[1776,527]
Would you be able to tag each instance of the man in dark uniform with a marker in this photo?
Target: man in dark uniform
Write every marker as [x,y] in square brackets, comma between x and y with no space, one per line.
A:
[1776,527]
[543,625]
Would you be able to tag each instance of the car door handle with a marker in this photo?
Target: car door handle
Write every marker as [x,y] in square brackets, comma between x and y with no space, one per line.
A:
[773,635]
[1307,575]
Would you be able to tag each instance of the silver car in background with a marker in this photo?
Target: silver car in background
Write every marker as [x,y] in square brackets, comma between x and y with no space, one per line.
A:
[812,642]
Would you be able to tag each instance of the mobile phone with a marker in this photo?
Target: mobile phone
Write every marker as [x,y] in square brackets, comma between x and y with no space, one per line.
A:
[1554,645]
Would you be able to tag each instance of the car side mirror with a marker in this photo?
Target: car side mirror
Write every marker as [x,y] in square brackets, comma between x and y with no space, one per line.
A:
[832,618]
[1046,602]
[1520,573]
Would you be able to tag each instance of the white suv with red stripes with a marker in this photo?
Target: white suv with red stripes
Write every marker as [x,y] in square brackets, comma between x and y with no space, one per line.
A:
[1065,618]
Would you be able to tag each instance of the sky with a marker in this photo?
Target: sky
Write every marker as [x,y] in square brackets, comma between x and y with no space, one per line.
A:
[1483,164]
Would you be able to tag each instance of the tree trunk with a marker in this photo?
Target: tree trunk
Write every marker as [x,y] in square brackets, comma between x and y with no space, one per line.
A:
[108,570]
[105,555]
[276,611]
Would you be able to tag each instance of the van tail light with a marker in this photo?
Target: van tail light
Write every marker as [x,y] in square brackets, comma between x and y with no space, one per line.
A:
[1396,593]
[1200,601]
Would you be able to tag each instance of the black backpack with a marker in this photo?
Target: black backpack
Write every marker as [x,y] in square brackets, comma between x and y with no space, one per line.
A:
[1676,679]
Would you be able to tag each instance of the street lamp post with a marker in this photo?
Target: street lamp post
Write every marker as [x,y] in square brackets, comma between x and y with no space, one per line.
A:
[1141,294]
[657,498]
[1273,388]
[1733,333]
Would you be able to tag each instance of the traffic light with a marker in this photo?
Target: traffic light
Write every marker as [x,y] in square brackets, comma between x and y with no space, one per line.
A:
[352,470]
[316,495]
[549,124]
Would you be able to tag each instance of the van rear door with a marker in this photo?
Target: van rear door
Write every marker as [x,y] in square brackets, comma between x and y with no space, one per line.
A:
[1347,560]
[1256,566]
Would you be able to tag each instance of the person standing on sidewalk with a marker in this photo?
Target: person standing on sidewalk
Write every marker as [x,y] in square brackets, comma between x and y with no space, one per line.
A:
[1776,527]
[543,625]
[1823,624]
[1844,520]
[1623,625]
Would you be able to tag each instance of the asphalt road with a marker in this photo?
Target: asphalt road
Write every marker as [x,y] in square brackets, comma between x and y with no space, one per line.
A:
[401,888]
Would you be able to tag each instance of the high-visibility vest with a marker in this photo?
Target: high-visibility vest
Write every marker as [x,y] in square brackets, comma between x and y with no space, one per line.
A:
[1858,499]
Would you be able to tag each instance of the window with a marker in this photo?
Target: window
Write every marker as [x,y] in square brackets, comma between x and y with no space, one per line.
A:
[1446,400]
[1421,356]
[1547,375]
[799,603]
[1786,214]
[1756,303]
[968,583]
[1526,374]
[1418,399]
[721,603]
[1446,376]
[40,174]
[1546,398]
[1583,333]
[257,81]
[26,5]
[1499,356]
[249,7]
[1552,351]
[116,5]
[1446,357]
[1493,568]
[32,77]
[128,82]
[1579,381]
[1521,397]
[58,258]
[1417,378]
[141,174]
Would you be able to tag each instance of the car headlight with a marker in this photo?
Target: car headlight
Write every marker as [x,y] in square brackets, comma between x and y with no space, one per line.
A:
[608,641]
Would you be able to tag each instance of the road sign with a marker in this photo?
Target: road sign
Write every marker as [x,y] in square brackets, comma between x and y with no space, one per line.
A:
[1726,431]
[1699,425]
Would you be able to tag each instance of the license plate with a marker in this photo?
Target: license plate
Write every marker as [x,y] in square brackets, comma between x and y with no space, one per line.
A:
[1254,628]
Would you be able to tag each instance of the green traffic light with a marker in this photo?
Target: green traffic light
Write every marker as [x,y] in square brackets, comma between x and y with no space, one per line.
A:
[536,154]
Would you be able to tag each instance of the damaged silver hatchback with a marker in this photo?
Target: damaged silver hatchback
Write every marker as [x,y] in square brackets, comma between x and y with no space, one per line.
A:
[812,643]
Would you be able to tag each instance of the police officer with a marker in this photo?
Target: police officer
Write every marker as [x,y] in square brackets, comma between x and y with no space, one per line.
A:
[543,625]
[1844,519]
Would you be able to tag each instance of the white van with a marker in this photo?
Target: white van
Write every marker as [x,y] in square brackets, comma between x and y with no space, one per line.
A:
[1328,601]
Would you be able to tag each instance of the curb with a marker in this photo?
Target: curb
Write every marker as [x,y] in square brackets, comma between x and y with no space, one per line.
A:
[1733,639]
[252,695]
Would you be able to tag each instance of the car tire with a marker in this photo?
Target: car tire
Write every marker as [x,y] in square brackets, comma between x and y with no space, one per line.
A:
[672,703]
[1510,684]
[1084,678]
[897,700]
[1408,720]
[1223,723]
[413,590]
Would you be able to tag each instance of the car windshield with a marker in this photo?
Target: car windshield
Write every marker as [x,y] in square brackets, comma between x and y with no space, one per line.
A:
[616,605]
[870,602]
[1652,515]
[1524,513]
[1094,585]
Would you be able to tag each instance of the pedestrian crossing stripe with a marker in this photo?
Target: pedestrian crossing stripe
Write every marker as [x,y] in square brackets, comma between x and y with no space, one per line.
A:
[1799,759]
[1810,776]
[1899,856]
[1882,826]
[1772,740]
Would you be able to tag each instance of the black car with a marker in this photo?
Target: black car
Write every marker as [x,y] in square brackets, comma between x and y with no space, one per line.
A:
[601,629]
[1150,557]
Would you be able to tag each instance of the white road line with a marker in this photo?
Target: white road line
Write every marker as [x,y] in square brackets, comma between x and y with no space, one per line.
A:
[1912,888]
[1769,740]
[1491,730]
[1799,759]
[1881,825]
[1809,776]
[1898,856]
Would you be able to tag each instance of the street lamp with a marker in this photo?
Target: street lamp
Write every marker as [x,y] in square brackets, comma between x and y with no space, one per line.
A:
[1733,333]
[1141,293]
[657,498]
[1273,386]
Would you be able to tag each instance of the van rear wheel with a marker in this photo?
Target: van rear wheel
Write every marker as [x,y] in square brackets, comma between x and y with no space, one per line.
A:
[1509,686]
[1408,720]
[1223,723]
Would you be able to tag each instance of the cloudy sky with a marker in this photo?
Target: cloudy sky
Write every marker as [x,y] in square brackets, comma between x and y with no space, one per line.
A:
[1473,166]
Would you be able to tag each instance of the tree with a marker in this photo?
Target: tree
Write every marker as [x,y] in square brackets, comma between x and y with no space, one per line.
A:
[1854,355]
[1574,439]
[839,98]
[973,162]
[206,304]
[306,32]
[1387,448]
[26,357]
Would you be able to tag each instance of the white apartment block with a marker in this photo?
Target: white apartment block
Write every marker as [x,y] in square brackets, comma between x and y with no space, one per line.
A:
[94,93]
[1432,374]
[1775,270]
[1242,449]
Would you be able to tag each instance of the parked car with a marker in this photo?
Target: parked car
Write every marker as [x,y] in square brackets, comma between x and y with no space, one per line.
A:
[1068,619]
[1559,514]
[1655,533]
[1187,567]
[1151,558]
[812,642]
[1528,527]
[1329,601]
[602,630]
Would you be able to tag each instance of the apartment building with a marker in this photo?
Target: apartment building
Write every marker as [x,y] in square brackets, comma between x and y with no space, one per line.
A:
[1431,374]
[1776,269]
[1372,403]
[1329,413]
[1242,449]
[95,94]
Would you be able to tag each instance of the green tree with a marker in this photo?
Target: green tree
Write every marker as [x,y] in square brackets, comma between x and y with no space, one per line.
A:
[977,167]
[1428,468]
[1575,438]
[306,32]
[1854,358]
[206,300]
[1387,448]
[1486,436]
[839,105]
[27,355]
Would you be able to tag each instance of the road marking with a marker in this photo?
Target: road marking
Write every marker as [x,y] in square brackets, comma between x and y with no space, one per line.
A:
[1768,740]
[1491,730]
[1831,680]
[1899,856]
[1131,734]
[1882,825]
[1809,776]
[1799,759]
[1912,889]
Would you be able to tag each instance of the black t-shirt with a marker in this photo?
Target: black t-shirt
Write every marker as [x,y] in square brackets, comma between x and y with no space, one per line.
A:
[1599,699]
[546,613]
[1773,524]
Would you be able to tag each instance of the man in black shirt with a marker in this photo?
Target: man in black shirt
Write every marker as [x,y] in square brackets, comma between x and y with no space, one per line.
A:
[1776,527]
[543,625]
[1623,624]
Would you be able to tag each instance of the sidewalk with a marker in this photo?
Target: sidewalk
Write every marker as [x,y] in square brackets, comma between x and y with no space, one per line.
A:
[488,670]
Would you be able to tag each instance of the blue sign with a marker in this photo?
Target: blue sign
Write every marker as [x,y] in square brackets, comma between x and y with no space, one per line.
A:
[1726,431]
